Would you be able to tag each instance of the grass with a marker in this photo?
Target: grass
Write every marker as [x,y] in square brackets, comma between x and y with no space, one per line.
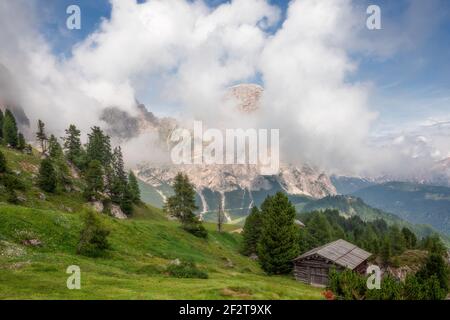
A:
[135,267]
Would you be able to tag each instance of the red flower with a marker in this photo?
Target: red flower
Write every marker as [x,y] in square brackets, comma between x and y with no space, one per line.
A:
[328,294]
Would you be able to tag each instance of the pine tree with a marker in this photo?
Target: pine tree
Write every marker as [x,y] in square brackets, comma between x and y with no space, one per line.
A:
[3,163]
[398,243]
[73,148]
[21,143]
[278,244]
[435,265]
[134,187]
[57,155]
[41,136]
[54,148]
[252,232]
[410,238]
[182,206]
[127,201]
[116,177]
[386,251]
[98,147]
[94,181]
[94,236]
[10,136]
[47,176]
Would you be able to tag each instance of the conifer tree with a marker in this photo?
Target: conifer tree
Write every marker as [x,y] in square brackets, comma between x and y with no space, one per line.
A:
[397,240]
[182,206]
[94,181]
[126,203]
[47,176]
[73,148]
[116,177]
[21,143]
[435,265]
[98,147]
[94,236]
[134,187]
[252,232]
[10,136]
[386,251]
[3,164]
[57,155]
[54,148]
[410,238]
[278,244]
[41,136]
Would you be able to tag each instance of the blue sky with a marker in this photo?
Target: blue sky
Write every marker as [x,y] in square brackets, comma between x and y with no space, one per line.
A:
[411,83]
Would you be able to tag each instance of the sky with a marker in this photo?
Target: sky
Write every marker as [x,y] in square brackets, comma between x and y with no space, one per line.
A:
[410,74]
[335,87]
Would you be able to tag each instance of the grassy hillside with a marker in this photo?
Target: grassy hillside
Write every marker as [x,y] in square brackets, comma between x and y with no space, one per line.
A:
[135,267]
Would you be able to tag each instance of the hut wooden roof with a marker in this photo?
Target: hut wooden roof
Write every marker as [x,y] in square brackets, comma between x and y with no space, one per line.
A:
[340,252]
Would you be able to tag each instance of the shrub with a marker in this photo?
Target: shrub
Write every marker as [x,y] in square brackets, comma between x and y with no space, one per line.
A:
[391,289]
[186,269]
[196,228]
[11,196]
[12,182]
[47,176]
[347,285]
[3,164]
[94,236]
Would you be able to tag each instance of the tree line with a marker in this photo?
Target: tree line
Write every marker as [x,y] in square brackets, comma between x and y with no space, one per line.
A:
[101,167]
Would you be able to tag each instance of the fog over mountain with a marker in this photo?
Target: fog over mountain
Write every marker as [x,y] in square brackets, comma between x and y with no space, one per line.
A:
[180,58]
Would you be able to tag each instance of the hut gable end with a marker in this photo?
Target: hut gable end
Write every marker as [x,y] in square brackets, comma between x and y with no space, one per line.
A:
[314,266]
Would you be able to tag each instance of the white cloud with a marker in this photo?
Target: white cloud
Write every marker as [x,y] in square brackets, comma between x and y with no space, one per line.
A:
[191,54]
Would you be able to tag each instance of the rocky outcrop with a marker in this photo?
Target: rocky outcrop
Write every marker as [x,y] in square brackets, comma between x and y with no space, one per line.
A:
[247,96]
[226,178]
[117,212]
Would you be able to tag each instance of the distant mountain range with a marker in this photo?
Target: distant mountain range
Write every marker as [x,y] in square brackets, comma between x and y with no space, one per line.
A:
[237,187]
[417,203]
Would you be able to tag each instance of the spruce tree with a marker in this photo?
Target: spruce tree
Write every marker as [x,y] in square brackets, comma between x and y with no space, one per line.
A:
[134,187]
[116,177]
[278,244]
[10,136]
[386,251]
[94,236]
[98,147]
[73,148]
[47,176]
[182,206]
[252,232]
[435,265]
[54,148]
[3,164]
[41,136]
[57,155]
[410,238]
[398,243]
[127,201]
[94,181]
[21,143]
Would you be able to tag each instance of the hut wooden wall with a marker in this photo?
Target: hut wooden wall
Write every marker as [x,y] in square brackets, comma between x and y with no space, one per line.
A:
[313,270]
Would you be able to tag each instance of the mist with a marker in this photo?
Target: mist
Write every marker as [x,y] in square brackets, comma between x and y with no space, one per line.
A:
[180,57]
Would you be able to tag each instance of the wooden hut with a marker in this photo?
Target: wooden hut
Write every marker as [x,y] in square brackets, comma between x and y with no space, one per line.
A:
[314,266]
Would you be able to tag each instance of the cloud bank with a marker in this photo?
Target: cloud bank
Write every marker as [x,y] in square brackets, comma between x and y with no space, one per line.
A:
[182,56]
